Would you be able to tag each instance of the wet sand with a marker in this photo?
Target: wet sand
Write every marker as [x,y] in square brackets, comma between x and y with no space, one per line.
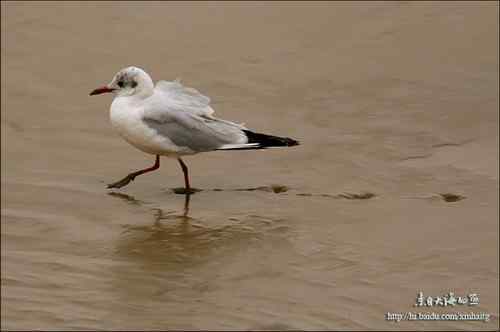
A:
[393,191]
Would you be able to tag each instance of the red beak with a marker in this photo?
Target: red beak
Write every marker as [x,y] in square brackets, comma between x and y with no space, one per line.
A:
[100,90]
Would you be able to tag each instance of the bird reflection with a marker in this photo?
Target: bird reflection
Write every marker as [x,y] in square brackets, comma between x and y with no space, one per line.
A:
[132,200]
[277,189]
[176,241]
[129,199]
[186,204]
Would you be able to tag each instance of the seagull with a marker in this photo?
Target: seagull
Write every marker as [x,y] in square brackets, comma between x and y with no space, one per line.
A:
[172,120]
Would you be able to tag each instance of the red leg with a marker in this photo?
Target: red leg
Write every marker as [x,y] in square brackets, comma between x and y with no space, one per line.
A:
[126,180]
[186,175]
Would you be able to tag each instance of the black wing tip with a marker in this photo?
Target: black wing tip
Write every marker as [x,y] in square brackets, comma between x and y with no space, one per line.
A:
[265,140]
[291,141]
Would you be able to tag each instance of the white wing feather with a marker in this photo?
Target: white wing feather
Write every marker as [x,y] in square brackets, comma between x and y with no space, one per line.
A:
[185,98]
[184,116]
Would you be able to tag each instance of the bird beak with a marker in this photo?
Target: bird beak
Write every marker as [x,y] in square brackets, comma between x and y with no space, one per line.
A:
[100,90]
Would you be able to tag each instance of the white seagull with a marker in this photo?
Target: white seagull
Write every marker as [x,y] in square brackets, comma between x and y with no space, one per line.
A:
[172,120]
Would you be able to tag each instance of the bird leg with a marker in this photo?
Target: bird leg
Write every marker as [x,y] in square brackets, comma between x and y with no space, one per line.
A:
[126,180]
[188,190]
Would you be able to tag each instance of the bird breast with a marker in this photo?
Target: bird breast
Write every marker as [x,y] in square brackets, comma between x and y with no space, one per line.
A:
[127,121]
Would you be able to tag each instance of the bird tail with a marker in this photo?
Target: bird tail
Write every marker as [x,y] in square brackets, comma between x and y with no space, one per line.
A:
[260,141]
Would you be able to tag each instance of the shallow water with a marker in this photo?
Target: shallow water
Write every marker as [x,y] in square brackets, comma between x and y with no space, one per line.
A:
[393,191]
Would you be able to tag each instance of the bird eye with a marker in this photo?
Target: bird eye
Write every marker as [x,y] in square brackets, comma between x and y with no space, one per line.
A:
[120,84]
[133,84]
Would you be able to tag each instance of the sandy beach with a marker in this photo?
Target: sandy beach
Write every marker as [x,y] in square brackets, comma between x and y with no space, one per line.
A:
[393,190]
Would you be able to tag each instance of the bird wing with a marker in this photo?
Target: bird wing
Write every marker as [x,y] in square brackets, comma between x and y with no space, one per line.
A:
[184,116]
[185,98]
